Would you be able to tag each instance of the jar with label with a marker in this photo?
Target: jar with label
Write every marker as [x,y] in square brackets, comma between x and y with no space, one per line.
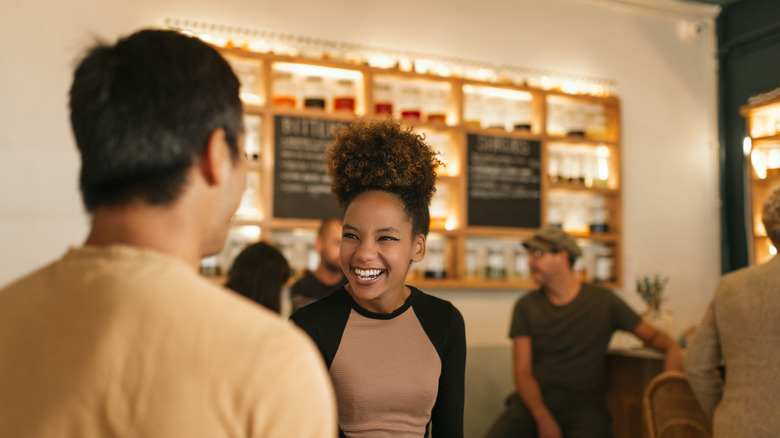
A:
[554,165]
[494,114]
[473,109]
[410,103]
[314,93]
[436,105]
[522,270]
[283,90]
[605,265]
[344,97]
[383,99]
[471,264]
[521,115]
[435,263]
[496,270]
[598,215]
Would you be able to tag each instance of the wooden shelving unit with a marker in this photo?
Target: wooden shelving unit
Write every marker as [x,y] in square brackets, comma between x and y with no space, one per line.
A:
[593,153]
[763,166]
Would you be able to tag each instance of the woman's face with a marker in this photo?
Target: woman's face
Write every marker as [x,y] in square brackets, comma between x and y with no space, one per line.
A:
[377,247]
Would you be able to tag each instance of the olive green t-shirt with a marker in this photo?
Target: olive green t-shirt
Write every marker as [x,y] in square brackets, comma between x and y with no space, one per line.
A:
[569,342]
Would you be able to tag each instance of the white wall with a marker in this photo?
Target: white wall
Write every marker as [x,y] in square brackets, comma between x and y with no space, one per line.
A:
[666,85]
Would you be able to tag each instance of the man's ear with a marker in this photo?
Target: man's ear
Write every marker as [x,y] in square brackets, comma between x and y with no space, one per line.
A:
[418,248]
[215,164]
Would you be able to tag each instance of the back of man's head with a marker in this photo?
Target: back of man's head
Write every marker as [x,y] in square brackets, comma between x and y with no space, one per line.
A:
[142,112]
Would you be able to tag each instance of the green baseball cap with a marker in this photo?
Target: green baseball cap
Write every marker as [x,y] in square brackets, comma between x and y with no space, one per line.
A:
[553,239]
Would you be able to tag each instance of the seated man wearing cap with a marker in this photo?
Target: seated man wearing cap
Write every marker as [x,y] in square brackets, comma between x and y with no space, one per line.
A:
[560,334]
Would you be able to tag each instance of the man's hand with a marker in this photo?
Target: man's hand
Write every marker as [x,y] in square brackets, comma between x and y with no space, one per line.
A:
[547,427]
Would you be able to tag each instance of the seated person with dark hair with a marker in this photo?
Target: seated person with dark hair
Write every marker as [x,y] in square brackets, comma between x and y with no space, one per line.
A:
[560,333]
[328,275]
[259,272]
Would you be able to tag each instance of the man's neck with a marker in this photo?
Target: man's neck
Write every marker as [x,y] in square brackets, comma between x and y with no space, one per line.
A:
[563,289]
[327,276]
[162,229]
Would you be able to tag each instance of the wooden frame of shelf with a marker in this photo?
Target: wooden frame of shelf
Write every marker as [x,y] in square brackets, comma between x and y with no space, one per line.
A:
[456,131]
[762,122]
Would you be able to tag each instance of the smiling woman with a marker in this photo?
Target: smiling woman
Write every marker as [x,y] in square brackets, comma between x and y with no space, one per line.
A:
[396,355]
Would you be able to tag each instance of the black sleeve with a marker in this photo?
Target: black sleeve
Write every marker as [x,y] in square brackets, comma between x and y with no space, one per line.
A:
[325,321]
[445,328]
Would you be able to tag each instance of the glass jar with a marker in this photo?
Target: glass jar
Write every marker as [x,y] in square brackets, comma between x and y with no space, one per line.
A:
[410,103]
[598,215]
[496,270]
[472,109]
[284,90]
[383,99]
[252,137]
[435,263]
[344,97]
[436,105]
[471,264]
[494,113]
[605,265]
[314,93]
[521,115]
[554,166]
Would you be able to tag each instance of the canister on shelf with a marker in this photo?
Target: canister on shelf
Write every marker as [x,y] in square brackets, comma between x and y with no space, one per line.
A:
[410,103]
[383,99]
[314,93]
[436,105]
[344,97]
[283,90]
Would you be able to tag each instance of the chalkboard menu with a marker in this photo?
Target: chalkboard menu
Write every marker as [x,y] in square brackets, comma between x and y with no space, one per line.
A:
[301,183]
[504,182]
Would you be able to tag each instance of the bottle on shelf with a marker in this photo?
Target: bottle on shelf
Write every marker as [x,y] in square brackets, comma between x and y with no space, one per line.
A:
[252,138]
[496,270]
[410,103]
[436,105]
[383,99]
[521,115]
[435,262]
[314,93]
[598,215]
[605,265]
[344,97]
[472,109]
[284,93]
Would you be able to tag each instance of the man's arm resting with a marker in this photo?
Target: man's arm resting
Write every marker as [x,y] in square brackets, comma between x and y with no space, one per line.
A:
[660,341]
[528,388]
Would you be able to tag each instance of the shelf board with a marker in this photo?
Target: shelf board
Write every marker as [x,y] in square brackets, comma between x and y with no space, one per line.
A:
[770,179]
[766,139]
[582,188]
[578,140]
[498,132]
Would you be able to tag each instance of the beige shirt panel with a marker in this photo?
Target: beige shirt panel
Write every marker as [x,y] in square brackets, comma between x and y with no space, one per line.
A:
[125,342]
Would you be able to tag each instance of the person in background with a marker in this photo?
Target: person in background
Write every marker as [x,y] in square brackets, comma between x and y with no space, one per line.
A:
[560,335]
[259,272]
[740,332]
[122,336]
[396,355]
[328,276]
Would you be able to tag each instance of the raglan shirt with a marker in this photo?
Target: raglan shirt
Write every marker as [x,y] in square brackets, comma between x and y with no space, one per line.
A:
[392,373]
[569,342]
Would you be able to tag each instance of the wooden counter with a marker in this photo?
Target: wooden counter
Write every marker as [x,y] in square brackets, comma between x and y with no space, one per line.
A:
[628,373]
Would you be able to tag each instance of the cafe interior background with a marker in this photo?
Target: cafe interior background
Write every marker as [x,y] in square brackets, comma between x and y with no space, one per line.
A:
[680,69]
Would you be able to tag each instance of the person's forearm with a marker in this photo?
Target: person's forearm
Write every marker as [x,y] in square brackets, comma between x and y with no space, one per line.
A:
[529,392]
[664,343]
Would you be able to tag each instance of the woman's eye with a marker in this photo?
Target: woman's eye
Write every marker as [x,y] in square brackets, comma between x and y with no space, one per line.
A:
[349,236]
[391,238]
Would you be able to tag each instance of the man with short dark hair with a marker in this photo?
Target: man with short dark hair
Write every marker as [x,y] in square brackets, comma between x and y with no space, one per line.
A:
[328,275]
[122,337]
[560,335]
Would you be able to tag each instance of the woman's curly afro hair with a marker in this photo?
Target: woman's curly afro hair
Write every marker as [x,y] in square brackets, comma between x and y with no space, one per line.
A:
[383,155]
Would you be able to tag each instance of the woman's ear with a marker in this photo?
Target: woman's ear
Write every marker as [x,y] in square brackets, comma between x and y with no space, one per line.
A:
[418,248]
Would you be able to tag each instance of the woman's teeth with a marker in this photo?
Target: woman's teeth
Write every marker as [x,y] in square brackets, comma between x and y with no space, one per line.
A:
[368,274]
